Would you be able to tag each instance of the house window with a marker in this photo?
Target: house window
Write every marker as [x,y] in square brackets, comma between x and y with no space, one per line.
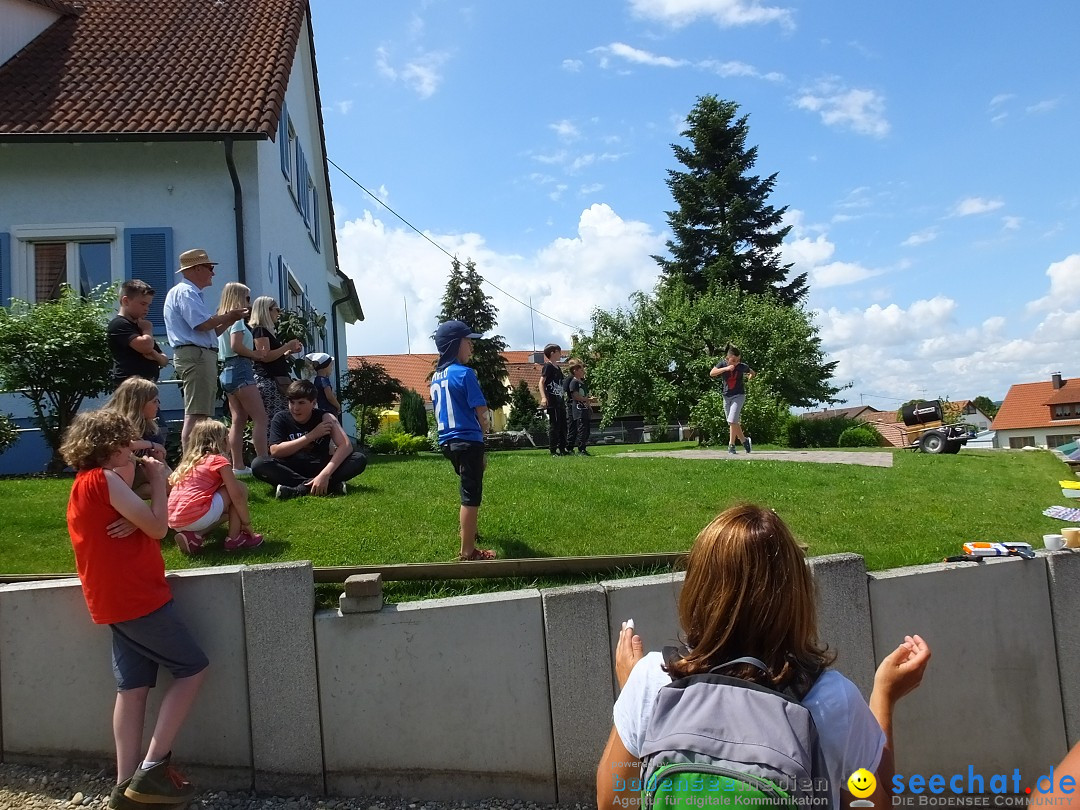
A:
[1059,439]
[296,293]
[83,265]
[1020,442]
[1066,411]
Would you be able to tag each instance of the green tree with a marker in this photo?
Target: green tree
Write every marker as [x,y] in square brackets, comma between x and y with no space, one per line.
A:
[56,354]
[8,433]
[413,413]
[366,391]
[654,357]
[986,405]
[464,300]
[523,407]
[724,231]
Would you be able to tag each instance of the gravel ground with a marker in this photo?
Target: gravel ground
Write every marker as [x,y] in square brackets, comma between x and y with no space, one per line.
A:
[27,788]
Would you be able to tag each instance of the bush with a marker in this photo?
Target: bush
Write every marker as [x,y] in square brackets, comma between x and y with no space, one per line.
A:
[762,418]
[860,436]
[406,444]
[413,413]
[802,432]
[381,443]
[8,434]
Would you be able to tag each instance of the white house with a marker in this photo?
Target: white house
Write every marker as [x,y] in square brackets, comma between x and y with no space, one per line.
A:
[1040,414]
[126,138]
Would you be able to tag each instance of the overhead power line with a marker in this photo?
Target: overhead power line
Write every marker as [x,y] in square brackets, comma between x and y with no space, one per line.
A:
[487,281]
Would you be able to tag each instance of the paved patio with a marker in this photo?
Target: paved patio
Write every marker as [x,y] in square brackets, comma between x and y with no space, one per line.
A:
[814,456]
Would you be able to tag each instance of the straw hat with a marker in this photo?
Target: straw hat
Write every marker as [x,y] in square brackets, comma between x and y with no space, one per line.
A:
[193,258]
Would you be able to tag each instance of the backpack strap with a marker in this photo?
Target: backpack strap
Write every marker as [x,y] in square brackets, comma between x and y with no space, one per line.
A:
[746,659]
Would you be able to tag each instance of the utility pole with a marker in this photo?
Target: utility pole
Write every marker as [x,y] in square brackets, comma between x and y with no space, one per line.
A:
[408,337]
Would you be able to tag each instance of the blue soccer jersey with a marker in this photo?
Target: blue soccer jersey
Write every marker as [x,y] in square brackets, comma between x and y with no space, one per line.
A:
[455,396]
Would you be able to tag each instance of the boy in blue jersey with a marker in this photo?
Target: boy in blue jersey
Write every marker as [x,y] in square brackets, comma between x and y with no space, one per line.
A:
[461,415]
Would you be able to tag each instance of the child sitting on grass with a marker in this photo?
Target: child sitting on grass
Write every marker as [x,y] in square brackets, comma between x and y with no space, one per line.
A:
[205,490]
[123,582]
[137,399]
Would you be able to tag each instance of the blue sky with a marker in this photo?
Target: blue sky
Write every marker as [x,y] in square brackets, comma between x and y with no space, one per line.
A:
[926,152]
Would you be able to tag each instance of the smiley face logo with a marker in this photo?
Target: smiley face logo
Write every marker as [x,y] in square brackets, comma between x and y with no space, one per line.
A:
[861,783]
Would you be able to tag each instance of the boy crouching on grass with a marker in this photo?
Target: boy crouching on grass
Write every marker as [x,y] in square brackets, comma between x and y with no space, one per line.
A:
[461,412]
[115,536]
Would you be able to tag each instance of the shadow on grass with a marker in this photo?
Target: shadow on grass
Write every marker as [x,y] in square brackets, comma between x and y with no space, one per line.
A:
[514,548]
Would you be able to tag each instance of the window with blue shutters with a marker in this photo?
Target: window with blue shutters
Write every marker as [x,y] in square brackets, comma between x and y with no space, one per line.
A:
[148,255]
[284,143]
[5,269]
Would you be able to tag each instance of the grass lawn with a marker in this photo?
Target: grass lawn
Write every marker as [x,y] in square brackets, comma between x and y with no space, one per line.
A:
[405,509]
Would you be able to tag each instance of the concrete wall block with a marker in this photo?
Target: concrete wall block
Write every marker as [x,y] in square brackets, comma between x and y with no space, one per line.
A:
[360,585]
[446,699]
[579,660]
[359,604]
[58,688]
[843,612]
[990,697]
[652,602]
[286,739]
[1063,570]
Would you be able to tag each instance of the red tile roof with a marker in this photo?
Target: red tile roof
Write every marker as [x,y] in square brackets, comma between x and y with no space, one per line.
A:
[161,68]
[1025,406]
[863,413]
[893,432]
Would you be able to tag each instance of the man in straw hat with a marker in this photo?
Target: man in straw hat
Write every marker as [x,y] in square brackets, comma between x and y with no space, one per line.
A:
[193,330]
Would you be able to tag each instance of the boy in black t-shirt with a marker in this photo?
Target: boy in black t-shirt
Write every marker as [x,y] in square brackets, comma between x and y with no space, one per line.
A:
[733,376]
[131,336]
[578,406]
[300,462]
[551,400]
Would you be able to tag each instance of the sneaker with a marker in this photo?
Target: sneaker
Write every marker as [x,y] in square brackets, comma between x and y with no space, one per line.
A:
[118,801]
[189,542]
[584,452]
[161,784]
[747,443]
[242,472]
[284,493]
[340,489]
[731,449]
[244,539]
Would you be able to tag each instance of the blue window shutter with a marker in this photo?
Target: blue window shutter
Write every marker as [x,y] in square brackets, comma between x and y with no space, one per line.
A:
[283,139]
[283,284]
[5,269]
[148,255]
[315,219]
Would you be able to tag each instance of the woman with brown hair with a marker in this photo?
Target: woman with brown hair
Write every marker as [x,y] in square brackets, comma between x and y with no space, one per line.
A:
[748,592]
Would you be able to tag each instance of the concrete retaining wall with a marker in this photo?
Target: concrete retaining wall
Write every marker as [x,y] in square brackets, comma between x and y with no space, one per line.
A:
[510,694]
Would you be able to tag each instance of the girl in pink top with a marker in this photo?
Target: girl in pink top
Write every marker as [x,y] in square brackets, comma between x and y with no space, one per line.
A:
[205,491]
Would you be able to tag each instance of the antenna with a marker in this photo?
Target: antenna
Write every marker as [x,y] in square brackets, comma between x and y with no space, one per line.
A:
[408,338]
[532,324]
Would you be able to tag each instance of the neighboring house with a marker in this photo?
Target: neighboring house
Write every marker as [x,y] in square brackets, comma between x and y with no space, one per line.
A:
[1040,414]
[966,412]
[414,371]
[861,413]
[128,135]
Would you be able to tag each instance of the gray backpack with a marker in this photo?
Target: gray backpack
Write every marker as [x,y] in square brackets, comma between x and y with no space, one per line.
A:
[722,741]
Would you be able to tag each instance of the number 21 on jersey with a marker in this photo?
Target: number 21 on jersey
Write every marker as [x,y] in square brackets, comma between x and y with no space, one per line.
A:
[443,405]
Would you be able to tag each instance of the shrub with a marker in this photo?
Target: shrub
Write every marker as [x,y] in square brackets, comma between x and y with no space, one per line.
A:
[802,432]
[406,444]
[413,413]
[859,436]
[381,443]
[8,434]
[762,418]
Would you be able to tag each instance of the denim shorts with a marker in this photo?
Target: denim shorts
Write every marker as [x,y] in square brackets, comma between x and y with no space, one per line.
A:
[139,646]
[238,372]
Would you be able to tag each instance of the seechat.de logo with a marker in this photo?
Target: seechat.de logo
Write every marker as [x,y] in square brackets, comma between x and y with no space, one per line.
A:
[861,784]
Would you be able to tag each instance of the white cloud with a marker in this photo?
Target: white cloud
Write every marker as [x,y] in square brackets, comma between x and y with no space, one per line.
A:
[598,266]
[862,111]
[811,255]
[565,129]
[636,56]
[572,65]
[1012,223]
[975,205]
[1064,285]
[592,188]
[343,107]
[580,162]
[921,237]
[1000,99]
[422,74]
[734,68]
[1045,105]
[725,13]
[836,274]
[552,159]
[556,195]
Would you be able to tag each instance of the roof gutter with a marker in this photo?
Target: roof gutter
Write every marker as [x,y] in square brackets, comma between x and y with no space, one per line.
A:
[238,211]
[350,294]
[127,137]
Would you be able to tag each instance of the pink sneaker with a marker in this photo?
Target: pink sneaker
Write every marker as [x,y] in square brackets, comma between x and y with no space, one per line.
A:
[189,542]
[252,539]
[244,539]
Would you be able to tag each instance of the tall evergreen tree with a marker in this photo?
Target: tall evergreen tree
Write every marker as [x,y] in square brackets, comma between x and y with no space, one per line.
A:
[724,231]
[464,300]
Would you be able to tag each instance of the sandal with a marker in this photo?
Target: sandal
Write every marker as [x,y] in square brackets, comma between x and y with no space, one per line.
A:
[478,554]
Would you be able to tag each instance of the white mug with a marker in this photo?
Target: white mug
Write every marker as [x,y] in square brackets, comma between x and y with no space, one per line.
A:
[1053,542]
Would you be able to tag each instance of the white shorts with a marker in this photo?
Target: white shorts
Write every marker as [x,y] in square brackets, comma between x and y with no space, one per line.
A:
[210,519]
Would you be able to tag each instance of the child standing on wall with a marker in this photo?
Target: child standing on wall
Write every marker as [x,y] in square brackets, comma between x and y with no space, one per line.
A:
[733,375]
[326,400]
[461,414]
[205,491]
[123,581]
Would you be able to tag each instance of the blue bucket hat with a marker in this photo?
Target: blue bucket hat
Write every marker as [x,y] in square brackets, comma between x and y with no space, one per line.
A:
[447,339]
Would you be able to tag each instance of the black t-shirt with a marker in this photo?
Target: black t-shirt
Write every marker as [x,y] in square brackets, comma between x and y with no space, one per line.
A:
[733,380]
[283,428]
[126,361]
[552,378]
[275,368]
[578,387]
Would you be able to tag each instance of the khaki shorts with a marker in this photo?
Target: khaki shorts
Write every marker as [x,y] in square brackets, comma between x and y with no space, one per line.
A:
[198,371]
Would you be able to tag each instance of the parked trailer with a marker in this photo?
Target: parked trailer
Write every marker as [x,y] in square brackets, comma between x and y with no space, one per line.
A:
[926,430]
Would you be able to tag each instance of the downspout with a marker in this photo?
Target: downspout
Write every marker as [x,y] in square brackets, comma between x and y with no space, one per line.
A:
[238,209]
[350,291]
